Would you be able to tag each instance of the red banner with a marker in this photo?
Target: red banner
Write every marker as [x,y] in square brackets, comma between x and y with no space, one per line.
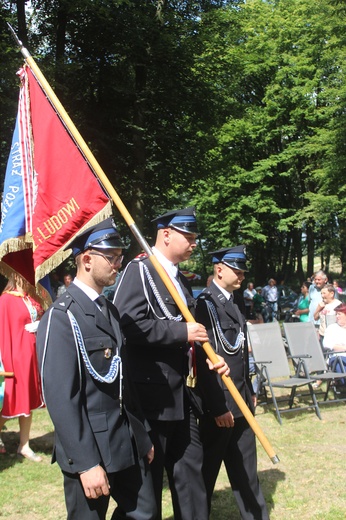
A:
[68,195]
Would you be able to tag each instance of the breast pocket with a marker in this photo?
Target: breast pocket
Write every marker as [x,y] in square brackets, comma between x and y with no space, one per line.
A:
[100,350]
[230,329]
[170,303]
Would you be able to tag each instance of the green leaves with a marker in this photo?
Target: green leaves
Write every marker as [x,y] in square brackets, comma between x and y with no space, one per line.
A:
[237,107]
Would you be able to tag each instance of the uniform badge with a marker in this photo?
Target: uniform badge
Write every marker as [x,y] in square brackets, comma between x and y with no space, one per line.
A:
[107,353]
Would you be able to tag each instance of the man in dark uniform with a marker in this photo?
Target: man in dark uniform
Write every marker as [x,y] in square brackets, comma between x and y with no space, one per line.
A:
[158,342]
[101,440]
[225,433]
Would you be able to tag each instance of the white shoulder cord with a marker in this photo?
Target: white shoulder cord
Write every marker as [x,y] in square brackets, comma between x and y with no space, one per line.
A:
[115,367]
[225,344]
[143,269]
[116,364]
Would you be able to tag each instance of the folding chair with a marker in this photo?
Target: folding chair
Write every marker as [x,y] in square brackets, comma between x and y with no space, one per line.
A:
[271,359]
[303,342]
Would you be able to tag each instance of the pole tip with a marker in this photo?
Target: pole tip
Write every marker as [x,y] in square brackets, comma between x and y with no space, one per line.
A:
[15,37]
[275,459]
[23,50]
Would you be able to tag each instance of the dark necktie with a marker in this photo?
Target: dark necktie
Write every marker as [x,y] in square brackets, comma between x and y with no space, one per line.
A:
[102,303]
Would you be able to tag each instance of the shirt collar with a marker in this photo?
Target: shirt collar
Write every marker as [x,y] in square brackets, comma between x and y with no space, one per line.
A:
[89,291]
[227,294]
[166,264]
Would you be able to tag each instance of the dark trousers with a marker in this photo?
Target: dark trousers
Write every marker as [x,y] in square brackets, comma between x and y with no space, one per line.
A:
[132,489]
[178,450]
[236,447]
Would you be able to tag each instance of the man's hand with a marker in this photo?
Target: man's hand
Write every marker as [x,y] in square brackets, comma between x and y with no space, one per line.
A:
[95,482]
[225,421]
[221,367]
[196,332]
[150,455]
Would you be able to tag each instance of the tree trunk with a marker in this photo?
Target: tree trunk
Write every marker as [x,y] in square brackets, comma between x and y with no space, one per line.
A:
[60,46]
[311,250]
[136,206]
[22,30]
[342,231]
[297,244]
[284,269]
[259,263]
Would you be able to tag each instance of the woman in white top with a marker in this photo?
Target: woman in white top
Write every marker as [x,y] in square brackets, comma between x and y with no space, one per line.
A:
[335,340]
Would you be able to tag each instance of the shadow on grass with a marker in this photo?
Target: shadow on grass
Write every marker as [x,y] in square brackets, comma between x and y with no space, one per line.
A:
[42,444]
[225,506]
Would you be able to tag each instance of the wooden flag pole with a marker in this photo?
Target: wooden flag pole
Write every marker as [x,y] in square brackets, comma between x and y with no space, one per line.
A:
[141,240]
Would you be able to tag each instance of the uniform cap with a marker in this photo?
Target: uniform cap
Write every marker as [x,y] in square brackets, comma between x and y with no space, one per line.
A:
[103,235]
[234,257]
[182,220]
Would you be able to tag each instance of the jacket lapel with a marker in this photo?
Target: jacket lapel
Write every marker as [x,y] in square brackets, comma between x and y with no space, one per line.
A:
[89,308]
[229,307]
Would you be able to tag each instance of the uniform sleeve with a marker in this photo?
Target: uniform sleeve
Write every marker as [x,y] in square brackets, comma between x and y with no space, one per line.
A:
[138,321]
[61,380]
[208,382]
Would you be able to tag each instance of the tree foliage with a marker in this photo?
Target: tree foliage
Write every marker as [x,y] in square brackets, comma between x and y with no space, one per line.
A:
[235,106]
[272,173]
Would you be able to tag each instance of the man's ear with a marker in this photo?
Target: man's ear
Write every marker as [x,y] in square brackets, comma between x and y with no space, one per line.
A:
[166,234]
[219,269]
[86,259]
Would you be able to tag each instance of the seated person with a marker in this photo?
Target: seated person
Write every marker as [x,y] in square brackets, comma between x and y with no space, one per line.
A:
[326,307]
[335,341]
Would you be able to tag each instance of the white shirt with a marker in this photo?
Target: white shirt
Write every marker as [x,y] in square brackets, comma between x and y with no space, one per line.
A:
[89,291]
[327,310]
[314,298]
[228,295]
[248,294]
[270,293]
[334,335]
[171,270]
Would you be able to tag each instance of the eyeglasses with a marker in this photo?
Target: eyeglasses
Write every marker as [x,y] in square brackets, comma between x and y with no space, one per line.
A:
[111,259]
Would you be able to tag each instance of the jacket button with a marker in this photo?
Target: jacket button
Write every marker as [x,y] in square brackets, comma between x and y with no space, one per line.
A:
[70,461]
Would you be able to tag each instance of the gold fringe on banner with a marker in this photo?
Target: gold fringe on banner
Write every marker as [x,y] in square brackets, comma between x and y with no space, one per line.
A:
[57,258]
[12,245]
[39,293]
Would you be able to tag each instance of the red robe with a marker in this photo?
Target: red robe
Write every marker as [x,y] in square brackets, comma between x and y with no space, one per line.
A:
[18,352]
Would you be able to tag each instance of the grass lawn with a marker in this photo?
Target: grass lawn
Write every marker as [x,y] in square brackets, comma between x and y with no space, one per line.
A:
[308,482]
